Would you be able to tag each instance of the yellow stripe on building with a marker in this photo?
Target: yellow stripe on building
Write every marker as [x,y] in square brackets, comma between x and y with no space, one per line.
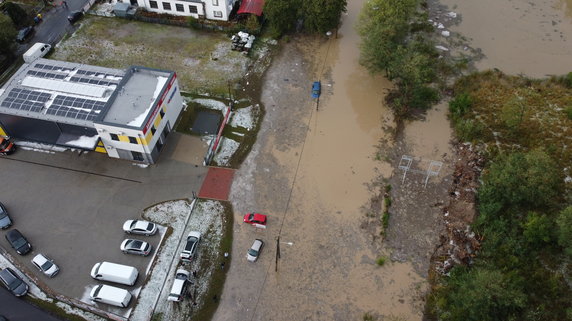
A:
[123,138]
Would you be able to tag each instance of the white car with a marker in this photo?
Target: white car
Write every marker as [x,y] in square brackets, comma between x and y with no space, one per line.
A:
[179,288]
[131,246]
[254,252]
[45,265]
[191,246]
[139,227]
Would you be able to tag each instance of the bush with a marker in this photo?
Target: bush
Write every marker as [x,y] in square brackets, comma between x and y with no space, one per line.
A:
[568,111]
[423,97]
[468,130]
[385,219]
[460,105]
[568,80]
[381,260]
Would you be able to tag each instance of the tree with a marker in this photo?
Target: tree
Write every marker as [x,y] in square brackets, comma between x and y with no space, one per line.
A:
[17,14]
[323,15]
[7,35]
[281,15]
[537,229]
[564,223]
[383,26]
[526,180]
[480,294]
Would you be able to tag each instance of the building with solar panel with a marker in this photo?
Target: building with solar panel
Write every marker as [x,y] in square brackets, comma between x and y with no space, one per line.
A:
[124,113]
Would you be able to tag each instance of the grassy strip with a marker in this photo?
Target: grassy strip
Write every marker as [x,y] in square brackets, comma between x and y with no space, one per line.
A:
[218,276]
[53,309]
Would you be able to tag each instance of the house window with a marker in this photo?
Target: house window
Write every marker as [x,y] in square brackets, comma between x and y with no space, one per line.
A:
[179,7]
[166,6]
[215,2]
[153,130]
[193,9]
[153,4]
[137,156]
[218,14]
[132,140]
[162,113]
[114,137]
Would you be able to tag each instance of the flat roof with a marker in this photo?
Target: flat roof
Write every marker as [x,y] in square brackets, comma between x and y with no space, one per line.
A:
[136,95]
[78,94]
[60,91]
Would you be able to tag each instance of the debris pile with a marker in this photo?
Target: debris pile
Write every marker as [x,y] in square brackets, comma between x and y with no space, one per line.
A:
[458,243]
[242,41]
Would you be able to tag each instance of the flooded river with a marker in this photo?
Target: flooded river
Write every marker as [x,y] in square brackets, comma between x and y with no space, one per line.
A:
[518,36]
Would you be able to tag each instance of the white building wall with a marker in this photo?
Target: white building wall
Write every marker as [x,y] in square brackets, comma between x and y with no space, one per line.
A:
[210,9]
[170,102]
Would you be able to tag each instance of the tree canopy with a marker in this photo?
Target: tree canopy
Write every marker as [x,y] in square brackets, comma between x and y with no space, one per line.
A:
[7,35]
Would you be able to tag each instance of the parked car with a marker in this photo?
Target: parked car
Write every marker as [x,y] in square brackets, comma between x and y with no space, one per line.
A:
[256,219]
[179,288]
[45,265]
[139,227]
[254,252]
[75,16]
[7,147]
[24,33]
[131,246]
[5,221]
[316,89]
[191,246]
[18,242]
[13,282]
[110,295]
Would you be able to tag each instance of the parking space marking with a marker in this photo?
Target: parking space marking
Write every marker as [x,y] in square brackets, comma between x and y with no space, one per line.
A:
[76,170]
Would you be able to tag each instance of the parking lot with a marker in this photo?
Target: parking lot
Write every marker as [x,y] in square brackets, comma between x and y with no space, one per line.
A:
[71,206]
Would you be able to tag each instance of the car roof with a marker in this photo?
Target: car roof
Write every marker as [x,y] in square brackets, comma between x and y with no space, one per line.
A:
[257,244]
[40,259]
[13,234]
[195,234]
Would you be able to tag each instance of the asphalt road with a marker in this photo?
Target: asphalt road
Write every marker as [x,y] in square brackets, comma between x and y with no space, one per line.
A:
[54,25]
[16,309]
[72,206]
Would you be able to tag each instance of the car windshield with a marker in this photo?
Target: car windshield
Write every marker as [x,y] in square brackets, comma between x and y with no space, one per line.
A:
[2,214]
[190,243]
[250,217]
[150,227]
[13,282]
[252,252]
[46,266]
[135,244]
[19,242]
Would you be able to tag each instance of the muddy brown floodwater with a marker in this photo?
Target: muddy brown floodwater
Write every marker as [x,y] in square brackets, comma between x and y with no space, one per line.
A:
[518,36]
[311,172]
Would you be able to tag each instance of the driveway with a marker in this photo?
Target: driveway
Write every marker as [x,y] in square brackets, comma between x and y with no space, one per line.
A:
[72,205]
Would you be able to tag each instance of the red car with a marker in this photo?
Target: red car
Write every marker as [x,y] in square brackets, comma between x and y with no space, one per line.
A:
[255,219]
[6,146]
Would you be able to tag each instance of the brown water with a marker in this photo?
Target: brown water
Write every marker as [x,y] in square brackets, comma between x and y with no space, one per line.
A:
[519,36]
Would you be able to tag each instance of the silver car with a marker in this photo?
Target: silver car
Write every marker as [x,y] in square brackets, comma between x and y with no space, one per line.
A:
[131,246]
[254,251]
[45,265]
[139,227]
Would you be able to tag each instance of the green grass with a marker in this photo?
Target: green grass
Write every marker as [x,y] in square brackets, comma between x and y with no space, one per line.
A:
[119,43]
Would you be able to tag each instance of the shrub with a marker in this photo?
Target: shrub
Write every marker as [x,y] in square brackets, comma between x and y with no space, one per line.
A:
[381,260]
[568,111]
[568,80]
[468,129]
[423,97]
[385,219]
[460,105]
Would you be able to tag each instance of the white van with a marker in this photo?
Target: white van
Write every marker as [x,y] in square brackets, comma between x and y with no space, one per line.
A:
[110,295]
[179,288]
[38,50]
[112,272]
